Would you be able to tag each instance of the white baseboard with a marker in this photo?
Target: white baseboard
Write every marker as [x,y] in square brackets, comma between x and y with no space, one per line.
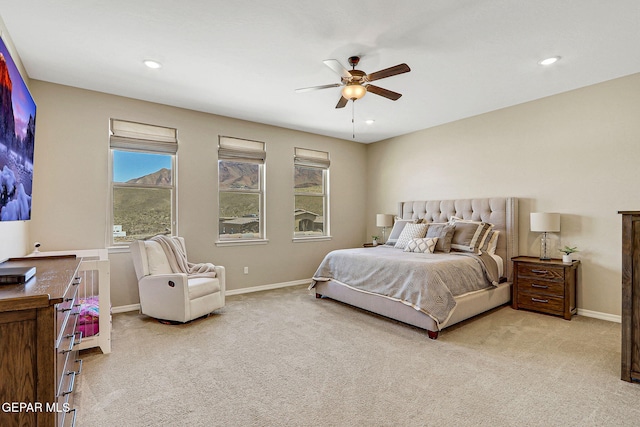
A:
[268,287]
[136,307]
[125,308]
[598,315]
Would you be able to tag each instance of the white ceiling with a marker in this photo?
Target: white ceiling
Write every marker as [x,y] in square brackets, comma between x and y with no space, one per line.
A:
[244,59]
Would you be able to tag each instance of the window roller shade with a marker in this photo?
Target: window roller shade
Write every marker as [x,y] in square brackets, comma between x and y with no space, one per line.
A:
[313,158]
[241,150]
[142,137]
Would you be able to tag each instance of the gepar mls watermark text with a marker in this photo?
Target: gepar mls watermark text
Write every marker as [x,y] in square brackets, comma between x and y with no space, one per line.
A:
[16,407]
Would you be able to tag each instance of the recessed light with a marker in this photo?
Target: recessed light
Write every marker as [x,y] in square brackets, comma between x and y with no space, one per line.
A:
[152,64]
[549,61]
[370,121]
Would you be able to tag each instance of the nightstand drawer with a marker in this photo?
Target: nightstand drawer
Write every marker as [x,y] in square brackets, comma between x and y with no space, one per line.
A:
[541,272]
[544,303]
[541,287]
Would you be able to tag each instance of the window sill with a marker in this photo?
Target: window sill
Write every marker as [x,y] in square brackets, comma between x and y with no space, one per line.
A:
[120,249]
[306,239]
[242,242]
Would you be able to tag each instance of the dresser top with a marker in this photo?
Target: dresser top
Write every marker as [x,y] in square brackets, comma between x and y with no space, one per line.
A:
[536,260]
[53,276]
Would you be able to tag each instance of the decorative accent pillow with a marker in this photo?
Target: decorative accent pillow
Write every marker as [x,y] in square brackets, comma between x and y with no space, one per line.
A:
[444,232]
[469,236]
[424,245]
[398,226]
[491,242]
[410,231]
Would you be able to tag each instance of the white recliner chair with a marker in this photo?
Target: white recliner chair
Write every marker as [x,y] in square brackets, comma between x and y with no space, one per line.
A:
[170,296]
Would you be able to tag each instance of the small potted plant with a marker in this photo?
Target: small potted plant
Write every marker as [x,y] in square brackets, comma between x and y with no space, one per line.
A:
[567,251]
[374,240]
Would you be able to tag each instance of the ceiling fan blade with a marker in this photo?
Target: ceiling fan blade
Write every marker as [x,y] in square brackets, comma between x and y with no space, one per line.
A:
[388,72]
[394,96]
[337,67]
[343,101]
[312,88]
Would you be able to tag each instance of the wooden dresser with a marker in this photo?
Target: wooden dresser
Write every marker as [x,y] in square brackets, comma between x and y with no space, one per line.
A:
[39,344]
[630,370]
[545,286]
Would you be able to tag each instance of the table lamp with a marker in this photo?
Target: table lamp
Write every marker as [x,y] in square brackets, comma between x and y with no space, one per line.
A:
[384,221]
[543,222]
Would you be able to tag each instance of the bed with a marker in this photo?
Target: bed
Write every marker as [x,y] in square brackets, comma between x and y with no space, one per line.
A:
[382,297]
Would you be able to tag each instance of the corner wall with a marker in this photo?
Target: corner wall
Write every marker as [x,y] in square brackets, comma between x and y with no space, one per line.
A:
[576,153]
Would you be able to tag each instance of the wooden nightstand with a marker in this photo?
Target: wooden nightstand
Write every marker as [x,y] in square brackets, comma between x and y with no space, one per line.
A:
[545,286]
[371,245]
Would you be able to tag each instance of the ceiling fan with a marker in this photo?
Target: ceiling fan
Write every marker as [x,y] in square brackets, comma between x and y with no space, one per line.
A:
[356,83]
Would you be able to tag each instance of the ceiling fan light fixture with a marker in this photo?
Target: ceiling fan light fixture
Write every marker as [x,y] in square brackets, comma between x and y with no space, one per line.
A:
[354,91]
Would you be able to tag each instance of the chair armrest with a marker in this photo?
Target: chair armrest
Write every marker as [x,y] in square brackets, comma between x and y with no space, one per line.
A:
[165,296]
[160,284]
[220,275]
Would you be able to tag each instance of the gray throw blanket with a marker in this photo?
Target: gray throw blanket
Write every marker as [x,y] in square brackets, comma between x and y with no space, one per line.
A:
[426,282]
[178,259]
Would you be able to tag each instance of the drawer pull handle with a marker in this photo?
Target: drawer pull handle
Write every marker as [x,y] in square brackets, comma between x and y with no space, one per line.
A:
[76,281]
[71,343]
[539,271]
[71,383]
[79,334]
[535,285]
[545,301]
[79,362]
[64,310]
[75,414]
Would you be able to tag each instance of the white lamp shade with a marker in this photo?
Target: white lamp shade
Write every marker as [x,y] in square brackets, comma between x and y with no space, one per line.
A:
[545,222]
[384,220]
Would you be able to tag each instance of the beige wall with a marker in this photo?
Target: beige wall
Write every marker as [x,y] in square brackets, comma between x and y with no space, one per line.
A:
[577,153]
[14,235]
[71,187]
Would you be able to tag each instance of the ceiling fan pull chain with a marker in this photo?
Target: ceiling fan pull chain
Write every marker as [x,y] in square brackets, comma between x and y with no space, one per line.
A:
[353,118]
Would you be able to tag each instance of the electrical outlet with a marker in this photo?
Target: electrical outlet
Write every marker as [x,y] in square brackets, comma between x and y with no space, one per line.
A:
[246,270]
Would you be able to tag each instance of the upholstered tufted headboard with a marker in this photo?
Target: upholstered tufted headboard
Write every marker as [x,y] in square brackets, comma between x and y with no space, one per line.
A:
[502,212]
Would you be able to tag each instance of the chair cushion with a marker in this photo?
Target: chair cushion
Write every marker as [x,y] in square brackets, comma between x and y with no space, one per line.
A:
[158,262]
[201,286]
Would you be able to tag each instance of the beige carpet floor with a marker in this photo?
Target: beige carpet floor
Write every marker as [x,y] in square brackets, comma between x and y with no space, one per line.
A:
[283,358]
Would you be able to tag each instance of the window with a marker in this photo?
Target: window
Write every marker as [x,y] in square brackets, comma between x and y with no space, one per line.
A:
[241,189]
[311,179]
[143,192]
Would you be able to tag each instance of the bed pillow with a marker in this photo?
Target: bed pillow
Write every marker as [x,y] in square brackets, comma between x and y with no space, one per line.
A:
[424,245]
[444,233]
[469,236]
[398,226]
[491,242]
[410,231]
[455,219]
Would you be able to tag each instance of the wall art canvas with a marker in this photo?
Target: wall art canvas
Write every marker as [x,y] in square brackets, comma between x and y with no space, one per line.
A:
[17,137]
